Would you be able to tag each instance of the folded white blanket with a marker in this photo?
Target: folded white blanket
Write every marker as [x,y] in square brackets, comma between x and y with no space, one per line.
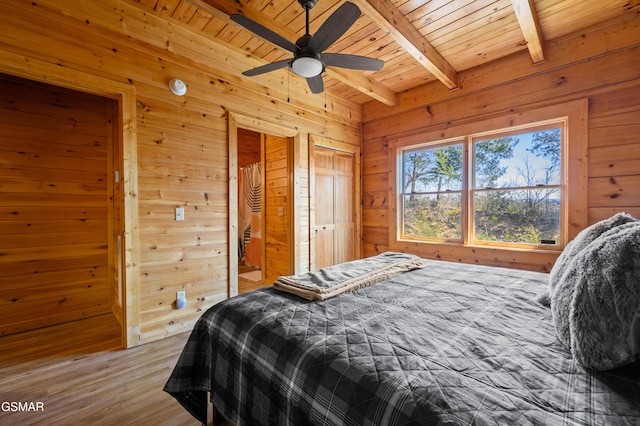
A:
[349,276]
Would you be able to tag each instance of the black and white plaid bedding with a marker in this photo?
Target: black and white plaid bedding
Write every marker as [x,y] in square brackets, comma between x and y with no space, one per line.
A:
[446,344]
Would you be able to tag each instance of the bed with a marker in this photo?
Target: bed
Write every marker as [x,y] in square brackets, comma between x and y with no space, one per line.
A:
[448,343]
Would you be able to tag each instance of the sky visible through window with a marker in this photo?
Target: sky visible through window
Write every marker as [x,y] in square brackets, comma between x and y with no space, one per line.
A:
[511,161]
[525,168]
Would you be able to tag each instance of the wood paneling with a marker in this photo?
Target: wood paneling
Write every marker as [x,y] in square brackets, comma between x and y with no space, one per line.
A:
[248,147]
[180,165]
[608,74]
[419,40]
[277,208]
[180,157]
[301,204]
[54,207]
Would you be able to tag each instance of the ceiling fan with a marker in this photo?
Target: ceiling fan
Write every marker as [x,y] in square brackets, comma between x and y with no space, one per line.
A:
[308,60]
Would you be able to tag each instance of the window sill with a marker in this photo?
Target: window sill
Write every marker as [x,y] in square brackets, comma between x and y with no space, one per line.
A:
[502,248]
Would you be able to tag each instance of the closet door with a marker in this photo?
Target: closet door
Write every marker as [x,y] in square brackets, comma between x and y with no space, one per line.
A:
[334,206]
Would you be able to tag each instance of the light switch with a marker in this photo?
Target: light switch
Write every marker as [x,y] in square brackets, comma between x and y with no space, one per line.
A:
[280,211]
[181,299]
[179,213]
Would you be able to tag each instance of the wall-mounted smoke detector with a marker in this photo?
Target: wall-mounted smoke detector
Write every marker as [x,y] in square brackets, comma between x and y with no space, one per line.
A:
[178,87]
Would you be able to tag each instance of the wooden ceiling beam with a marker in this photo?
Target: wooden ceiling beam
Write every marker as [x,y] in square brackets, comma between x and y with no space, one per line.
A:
[528,19]
[390,19]
[363,84]
[222,9]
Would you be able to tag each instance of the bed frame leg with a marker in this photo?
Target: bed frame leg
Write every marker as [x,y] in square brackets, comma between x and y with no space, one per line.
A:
[217,418]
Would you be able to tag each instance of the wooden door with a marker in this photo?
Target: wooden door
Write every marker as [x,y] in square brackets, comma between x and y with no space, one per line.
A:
[334,206]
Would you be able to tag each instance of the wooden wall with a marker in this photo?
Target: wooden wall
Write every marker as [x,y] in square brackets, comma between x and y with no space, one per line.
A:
[602,65]
[54,205]
[277,232]
[182,156]
[248,147]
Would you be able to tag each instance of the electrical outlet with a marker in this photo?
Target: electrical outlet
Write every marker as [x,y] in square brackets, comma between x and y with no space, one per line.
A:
[181,294]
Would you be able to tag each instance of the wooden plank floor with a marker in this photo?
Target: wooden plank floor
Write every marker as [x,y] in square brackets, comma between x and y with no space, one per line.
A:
[81,374]
[244,284]
[83,377]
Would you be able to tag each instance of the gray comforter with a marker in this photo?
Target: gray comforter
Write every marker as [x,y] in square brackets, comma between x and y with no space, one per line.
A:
[445,344]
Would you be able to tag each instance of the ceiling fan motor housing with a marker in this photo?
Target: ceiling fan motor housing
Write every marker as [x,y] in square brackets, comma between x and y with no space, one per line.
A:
[307,4]
[303,50]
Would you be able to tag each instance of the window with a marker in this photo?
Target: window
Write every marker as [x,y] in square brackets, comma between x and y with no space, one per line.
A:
[432,192]
[496,188]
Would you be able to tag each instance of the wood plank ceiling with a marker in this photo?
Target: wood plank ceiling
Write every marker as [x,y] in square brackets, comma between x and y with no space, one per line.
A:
[420,41]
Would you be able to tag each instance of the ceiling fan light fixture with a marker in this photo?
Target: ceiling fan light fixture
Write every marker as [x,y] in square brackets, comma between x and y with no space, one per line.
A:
[307,67]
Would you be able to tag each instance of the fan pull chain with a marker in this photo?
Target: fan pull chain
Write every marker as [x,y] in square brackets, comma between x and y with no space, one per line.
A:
[288,88]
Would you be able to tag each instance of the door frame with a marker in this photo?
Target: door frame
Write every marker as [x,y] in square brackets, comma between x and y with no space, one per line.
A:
[238,120]
[323,142]
[125,136]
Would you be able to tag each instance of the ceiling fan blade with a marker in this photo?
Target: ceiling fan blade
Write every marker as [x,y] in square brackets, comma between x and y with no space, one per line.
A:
[334,27]
[353,62]
[316,84]
[263,32]
[267,68]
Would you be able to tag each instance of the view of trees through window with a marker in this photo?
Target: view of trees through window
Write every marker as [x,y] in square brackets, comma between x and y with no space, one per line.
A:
[514,189]
[432,181]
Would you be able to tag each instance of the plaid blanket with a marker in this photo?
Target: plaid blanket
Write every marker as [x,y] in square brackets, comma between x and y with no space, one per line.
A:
[445,344]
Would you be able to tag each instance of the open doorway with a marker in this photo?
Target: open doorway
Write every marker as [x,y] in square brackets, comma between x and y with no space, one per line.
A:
[58,150]
[281,203]
[265,206]
[123,250]
[250,210]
